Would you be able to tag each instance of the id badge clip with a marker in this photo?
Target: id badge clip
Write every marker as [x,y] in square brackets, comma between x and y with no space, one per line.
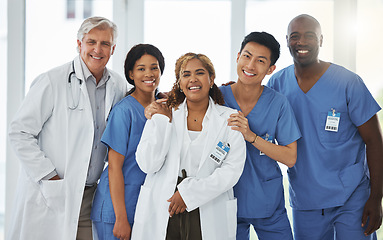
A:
[332,121]
[220,152]
[268,138]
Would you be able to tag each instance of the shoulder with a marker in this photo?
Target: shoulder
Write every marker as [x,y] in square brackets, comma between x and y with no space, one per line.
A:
[224,111]
[115,77]
[54,76]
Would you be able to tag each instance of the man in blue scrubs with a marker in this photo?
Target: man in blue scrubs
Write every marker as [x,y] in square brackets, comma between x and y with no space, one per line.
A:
[264,117]
[336,184]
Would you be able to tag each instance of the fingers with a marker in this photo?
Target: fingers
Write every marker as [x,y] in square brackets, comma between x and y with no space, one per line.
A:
[158,106]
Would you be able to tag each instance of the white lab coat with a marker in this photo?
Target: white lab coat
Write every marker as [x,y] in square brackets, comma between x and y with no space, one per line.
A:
[46,135]
[158,154]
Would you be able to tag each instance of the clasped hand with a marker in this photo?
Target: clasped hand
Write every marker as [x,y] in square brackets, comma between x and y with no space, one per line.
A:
[159,106]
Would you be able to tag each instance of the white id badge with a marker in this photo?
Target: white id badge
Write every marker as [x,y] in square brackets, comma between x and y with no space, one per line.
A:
[268,138]
[220,152]
[332,122]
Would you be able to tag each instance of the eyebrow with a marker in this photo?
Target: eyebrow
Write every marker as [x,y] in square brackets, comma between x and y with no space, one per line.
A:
[143,65]
[256,56]
[248,52]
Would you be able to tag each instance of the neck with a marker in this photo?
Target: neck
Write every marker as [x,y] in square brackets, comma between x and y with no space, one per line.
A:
[246,93]
[144,98]
[309,71]
[199,107]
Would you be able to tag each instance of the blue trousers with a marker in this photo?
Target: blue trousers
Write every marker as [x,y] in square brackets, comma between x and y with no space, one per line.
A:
[105,230]
[276,227]
[341,223]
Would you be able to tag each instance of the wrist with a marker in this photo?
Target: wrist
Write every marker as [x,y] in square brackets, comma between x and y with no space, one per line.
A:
[255,139]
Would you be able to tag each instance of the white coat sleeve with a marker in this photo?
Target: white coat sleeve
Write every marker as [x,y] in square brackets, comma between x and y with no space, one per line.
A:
[29,120]
[154,144]
[197,191]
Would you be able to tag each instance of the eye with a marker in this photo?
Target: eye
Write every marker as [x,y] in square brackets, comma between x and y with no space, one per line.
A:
[261,61]
[155,68]
[310,36]
[294,37]
[91,42]
[201,73]
[141,69]
[186,75]
[107,44]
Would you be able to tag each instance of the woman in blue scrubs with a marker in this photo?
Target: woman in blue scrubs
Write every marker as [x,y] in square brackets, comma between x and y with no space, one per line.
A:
[117,193]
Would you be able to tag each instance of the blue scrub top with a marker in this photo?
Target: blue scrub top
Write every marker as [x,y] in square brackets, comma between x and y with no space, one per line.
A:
[259,189]
[330,165]
[123,133]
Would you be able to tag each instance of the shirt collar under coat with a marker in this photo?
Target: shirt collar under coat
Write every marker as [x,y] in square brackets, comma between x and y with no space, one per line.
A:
[82,72]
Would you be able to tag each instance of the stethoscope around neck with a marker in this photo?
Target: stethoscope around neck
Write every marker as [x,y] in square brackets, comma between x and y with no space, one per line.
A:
[75,101]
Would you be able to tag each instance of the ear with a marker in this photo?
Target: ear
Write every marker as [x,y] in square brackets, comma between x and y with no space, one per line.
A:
[287,40]
[114,46]
[79,45]
[271,69]
[238,55]
[321,40]
[131,74]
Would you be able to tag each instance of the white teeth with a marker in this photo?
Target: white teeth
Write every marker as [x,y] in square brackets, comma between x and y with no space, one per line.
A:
[193,88]
[97,58]
[303,51]
[248,74]
[149,82]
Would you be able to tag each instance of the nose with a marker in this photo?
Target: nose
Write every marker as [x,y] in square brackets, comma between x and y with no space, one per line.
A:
[193,78]
[251,64]
[97,48]
[149,73]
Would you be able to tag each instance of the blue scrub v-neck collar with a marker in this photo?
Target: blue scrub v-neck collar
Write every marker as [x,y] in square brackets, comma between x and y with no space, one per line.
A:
[316,85]
[259,102]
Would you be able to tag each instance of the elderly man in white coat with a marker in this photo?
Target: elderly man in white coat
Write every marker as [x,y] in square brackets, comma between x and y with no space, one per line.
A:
[56,136]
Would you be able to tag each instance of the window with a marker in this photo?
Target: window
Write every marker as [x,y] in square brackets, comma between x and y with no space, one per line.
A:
[178,27]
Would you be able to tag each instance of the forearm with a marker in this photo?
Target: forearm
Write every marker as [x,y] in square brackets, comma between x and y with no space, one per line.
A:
[375,165]
[117,192]
[283,154]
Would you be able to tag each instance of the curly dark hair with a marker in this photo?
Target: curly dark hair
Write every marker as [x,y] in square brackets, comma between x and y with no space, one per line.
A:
[176,97]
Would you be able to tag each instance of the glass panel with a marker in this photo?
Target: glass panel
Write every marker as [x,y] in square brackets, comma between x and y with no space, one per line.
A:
[71,9]
[178,27]
[3,110]
[51,38]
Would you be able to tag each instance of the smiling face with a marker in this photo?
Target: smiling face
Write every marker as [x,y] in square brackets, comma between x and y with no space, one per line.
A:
[95,50]
[146,74]
[253,63]
[304,38]
[195,81]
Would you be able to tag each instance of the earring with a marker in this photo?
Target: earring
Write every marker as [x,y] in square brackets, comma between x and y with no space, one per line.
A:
[181,90]
[211,87]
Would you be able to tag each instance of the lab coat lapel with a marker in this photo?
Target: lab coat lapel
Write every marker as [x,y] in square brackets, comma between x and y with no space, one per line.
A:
[84,99]
[179,123]
[215,125]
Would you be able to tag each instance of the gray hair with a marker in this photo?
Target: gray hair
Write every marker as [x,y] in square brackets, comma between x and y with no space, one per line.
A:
[97,22]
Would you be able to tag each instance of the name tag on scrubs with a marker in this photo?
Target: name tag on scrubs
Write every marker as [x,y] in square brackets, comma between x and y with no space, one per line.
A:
[332,122]
[220,152]
[267,138]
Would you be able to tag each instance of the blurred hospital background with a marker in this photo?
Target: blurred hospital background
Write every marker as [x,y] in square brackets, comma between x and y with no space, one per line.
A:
[37,35]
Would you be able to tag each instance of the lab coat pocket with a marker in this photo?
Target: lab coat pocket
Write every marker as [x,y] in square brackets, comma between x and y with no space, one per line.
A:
[231,210]
[53,192]
[143,205]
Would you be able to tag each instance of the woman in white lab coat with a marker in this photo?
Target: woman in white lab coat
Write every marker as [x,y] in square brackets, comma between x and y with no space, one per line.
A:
[195,137]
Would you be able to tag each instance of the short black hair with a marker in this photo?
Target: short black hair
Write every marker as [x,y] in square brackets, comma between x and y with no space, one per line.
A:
[265,39]
[136,52]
